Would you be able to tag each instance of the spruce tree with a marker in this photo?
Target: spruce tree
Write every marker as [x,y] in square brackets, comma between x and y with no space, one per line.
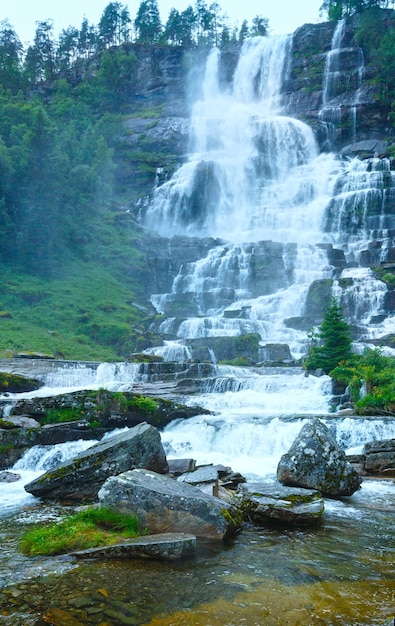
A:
[332,344]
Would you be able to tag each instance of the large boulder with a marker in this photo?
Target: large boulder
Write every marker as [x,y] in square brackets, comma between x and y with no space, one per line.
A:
[379,457]
[163,505]
[79,479]
[267,502]
[316,461]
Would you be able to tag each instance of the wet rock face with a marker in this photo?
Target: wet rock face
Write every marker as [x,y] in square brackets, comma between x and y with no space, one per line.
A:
[379,457]
[353,90]
[316,461]
[268,502]
[9,477]
[163,504]
[79,479]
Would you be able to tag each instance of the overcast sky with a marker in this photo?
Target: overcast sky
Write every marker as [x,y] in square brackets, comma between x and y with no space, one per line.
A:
[284,15]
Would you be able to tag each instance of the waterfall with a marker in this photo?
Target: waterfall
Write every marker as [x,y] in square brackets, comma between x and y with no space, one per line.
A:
[254,446]
[288,217]
[284,227]
[242,152]
[343,72]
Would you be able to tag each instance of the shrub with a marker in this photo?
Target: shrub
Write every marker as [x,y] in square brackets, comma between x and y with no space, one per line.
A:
[371,382]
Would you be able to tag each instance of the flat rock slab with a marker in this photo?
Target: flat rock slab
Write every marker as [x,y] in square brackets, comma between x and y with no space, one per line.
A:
[164,546]
[263,502]
[204,474]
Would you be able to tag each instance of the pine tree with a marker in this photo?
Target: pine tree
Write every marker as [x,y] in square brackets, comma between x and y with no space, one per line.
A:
[332,344]
[147,23]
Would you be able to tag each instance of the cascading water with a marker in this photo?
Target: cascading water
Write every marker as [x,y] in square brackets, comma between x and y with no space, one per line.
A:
[255,179]
[255,175]
[341,86]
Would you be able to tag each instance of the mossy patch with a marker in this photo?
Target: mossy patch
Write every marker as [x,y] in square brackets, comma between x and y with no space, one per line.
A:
[89,528]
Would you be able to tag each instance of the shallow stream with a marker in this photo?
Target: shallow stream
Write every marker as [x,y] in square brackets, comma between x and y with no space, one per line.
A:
[341,573]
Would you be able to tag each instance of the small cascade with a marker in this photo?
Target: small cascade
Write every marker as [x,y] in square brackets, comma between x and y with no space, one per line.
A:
[92,375]
[45,458]
[360,209]
[257,444]
[360,294]
[344,67]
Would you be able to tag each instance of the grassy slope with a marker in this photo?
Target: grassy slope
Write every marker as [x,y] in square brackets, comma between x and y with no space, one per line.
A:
[85,310]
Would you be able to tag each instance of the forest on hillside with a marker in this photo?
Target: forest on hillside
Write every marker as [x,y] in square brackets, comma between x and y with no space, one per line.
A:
[61,107]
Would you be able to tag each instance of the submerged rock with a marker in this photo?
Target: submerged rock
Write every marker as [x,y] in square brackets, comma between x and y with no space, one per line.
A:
[316,461]
[163,504]
[9,477]
[79,479]
[165,546]
[267,502]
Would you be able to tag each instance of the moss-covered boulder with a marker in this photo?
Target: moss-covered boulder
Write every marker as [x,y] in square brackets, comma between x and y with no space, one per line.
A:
[316,461]
[13,383]
[264,503]
[105,409]
[79,479]
[163,504]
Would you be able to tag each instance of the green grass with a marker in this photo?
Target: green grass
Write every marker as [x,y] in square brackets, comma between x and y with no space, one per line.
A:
[84,309]
[90,528]
[144,404]
[85,314]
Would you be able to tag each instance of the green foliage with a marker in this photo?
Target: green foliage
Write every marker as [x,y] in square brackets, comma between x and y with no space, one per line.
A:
[337,9]
[147,23]
[57,416]
[15,383]
[376,37]
[386,276]
[10,59]
[371,381]
[143,404]
[88,528]
[7,425]
[260,26]
[241,361]
[332,343]
[114,25]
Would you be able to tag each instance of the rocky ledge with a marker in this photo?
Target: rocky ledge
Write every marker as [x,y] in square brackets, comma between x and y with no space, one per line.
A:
[165,546]
[267,502]
[379,457]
